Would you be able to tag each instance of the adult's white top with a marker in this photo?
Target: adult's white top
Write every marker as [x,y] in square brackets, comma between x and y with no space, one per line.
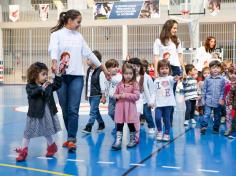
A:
[202,58]
[65,40]
[160,49]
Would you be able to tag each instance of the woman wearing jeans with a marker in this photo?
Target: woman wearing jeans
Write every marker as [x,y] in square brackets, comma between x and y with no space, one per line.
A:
[66,38]
[168,46]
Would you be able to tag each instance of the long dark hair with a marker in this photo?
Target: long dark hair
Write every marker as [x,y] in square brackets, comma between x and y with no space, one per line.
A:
[166,33]
[64,17]
[207,44]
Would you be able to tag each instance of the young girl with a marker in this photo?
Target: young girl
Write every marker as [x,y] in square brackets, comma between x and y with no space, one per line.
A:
[139,73]
[205,73]
[163,99]
[41,116]
[229,98]
[126,94]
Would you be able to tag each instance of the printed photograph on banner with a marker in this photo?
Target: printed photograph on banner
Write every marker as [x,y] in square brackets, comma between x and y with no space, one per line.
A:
[14,12]
[43,11]
[102,10]
[60,7]
[214,7]
[150,9]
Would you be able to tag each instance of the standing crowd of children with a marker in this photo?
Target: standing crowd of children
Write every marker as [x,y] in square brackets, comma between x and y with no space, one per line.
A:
[133,93]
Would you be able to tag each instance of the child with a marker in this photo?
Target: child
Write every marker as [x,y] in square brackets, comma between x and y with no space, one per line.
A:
[112,66]
[41,116]
[205,73]
[229,98]
[137,65]
[190,93]
[231,105]
[225,66]
[95,92]
[163,99]
[127,93]
[148,91]
[212,96]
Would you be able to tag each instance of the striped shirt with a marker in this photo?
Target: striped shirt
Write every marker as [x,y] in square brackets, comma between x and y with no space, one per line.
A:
[190,88]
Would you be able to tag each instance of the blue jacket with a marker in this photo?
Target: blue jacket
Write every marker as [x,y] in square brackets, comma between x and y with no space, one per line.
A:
[213,91]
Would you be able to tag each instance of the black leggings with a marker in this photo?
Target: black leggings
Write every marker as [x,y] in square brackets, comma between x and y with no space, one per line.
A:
[119,127]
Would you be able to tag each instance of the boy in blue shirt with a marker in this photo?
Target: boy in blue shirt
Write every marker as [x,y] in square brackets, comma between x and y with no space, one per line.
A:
[212,96]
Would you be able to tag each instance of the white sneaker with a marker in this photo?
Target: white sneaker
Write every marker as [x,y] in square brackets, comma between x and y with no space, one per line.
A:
[193,121]
[151,131]
[159,136]
[186,122]
[166,138]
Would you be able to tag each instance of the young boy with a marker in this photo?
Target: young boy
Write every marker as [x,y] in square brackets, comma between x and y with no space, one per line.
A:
[148,86]
[112,66]
[95,92]
[190,93]
[212,96]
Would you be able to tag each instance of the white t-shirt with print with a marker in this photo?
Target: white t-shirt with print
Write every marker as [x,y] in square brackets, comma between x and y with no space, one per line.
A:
[159,49]
[163,92]
[202,58]
[65,40]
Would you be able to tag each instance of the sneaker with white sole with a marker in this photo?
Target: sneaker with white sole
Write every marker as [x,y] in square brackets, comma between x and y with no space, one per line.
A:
[151,131]
[166,138]
[159,136]
[186,123]
[193,121]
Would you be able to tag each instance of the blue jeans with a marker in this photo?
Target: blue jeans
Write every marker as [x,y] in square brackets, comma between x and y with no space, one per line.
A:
[94,113]
[207,114]
[69,96]
[111,108]
[164,112]
[147,113]
[175,71]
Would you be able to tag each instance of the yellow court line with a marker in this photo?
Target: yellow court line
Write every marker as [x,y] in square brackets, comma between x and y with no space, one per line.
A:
[33,169]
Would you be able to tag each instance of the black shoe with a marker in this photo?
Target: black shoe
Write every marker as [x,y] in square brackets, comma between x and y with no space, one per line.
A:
[215,130]
[203,130]
[101,126]
[87,129]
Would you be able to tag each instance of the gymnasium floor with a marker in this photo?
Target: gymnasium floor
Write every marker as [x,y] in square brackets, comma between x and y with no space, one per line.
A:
[187,154]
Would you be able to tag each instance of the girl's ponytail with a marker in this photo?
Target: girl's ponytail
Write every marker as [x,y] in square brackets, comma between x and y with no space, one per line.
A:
[64,17]
[61,22]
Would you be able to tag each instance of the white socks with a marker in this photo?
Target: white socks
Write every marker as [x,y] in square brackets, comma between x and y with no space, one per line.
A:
[50,140]
[25,142]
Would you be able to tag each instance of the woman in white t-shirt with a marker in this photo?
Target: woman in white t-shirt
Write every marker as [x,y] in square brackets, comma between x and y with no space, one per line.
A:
[168,46]
[204,54]
[66,38]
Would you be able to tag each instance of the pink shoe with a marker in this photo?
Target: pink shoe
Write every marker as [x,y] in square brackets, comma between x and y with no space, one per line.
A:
[51,150]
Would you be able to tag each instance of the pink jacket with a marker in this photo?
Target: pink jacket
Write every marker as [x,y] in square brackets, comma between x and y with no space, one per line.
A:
[125,110]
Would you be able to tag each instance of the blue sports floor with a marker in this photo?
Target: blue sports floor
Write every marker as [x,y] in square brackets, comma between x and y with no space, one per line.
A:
[187,154]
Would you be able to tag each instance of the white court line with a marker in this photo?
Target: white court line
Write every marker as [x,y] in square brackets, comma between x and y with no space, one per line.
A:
[170,167]
[136,164]
[204,170]
[105,162]
[45,158]
[12,156]
[75,160]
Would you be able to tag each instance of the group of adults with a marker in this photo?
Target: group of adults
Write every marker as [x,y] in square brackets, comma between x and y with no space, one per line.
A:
[66,38]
